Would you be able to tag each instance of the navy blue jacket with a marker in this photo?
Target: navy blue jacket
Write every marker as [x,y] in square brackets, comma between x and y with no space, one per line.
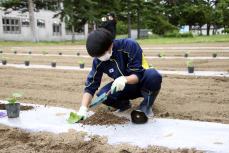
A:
[126,59]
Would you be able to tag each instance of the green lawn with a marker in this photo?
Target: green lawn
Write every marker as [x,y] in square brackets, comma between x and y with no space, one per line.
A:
[195,39]
[152,40]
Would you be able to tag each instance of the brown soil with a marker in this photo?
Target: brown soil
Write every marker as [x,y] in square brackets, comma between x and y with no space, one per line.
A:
[22,107]
[104,118]
[196,98]
[14,140]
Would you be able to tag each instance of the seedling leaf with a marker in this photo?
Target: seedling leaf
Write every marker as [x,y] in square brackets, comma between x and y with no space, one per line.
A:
[17,95]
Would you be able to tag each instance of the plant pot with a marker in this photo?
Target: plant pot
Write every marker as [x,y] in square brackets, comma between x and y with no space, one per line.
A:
[53,64]
[81,66]
[30,52]
[60,53]
[185,55]
[1,51]
[190,69]
[13,110]
[27,63]
[159,55]
[214,55]
[15,52]
[78,54]
[4,62]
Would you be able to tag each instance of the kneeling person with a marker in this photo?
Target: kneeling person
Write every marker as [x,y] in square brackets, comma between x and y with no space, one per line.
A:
[123,61]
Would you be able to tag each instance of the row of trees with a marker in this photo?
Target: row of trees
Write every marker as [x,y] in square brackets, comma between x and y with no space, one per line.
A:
[161,16]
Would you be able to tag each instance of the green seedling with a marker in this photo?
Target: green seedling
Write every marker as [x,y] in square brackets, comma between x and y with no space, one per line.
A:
[81,62]
[13,99]
[190,63]
[74,118]
[161,54]
[44,52]
[2,57]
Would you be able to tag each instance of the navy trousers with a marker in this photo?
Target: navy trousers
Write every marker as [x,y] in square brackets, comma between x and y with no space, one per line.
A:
[151,81]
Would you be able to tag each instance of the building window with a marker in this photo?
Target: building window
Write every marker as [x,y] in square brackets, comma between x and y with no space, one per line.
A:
[41,23]
[11,25]
[56,29]
[25,22]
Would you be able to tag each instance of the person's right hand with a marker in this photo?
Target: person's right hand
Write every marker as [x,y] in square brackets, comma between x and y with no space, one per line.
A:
[83,112]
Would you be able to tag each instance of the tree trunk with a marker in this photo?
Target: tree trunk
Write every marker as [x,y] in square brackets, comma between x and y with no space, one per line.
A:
[129,19]
[32,20]
[200,29]
[208,29]
[138,19]
[73,34]
[190,28]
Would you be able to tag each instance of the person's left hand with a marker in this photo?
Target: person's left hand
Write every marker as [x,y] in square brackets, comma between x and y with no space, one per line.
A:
[118,84]
[82,112]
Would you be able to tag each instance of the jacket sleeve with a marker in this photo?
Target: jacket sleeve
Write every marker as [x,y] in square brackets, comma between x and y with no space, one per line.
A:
[94,78]
[134,65]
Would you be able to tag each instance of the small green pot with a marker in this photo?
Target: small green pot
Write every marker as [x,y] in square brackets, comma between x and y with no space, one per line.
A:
[13,110]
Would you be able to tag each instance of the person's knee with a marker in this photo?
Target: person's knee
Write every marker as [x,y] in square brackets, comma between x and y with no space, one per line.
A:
[152,74]
[152,79]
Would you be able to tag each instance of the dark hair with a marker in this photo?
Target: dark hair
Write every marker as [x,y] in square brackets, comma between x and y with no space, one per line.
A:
[98,42]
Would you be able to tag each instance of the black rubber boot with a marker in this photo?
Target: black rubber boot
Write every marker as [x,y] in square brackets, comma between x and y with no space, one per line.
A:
[147,103]
[139,116]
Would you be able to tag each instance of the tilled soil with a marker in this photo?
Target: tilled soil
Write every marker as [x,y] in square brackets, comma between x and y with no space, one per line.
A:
[195,98]
[14,140]
[22,107]
[103,117]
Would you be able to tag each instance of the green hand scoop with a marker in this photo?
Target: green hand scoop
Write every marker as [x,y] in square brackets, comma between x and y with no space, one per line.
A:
[100,99]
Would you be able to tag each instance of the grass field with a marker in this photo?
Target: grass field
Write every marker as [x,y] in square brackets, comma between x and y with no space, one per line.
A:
[149,41]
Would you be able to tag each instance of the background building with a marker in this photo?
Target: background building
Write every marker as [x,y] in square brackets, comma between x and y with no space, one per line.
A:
[15,26]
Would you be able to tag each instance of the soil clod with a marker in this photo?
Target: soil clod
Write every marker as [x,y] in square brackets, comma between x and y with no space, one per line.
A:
[104,118]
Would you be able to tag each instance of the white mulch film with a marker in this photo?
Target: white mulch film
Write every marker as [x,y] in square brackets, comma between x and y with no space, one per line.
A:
[172,133]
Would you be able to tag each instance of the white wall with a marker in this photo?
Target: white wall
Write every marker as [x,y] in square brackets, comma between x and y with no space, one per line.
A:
[43,34]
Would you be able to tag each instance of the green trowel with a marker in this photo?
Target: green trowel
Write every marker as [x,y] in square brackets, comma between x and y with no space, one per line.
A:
[100,99]
[74,118]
